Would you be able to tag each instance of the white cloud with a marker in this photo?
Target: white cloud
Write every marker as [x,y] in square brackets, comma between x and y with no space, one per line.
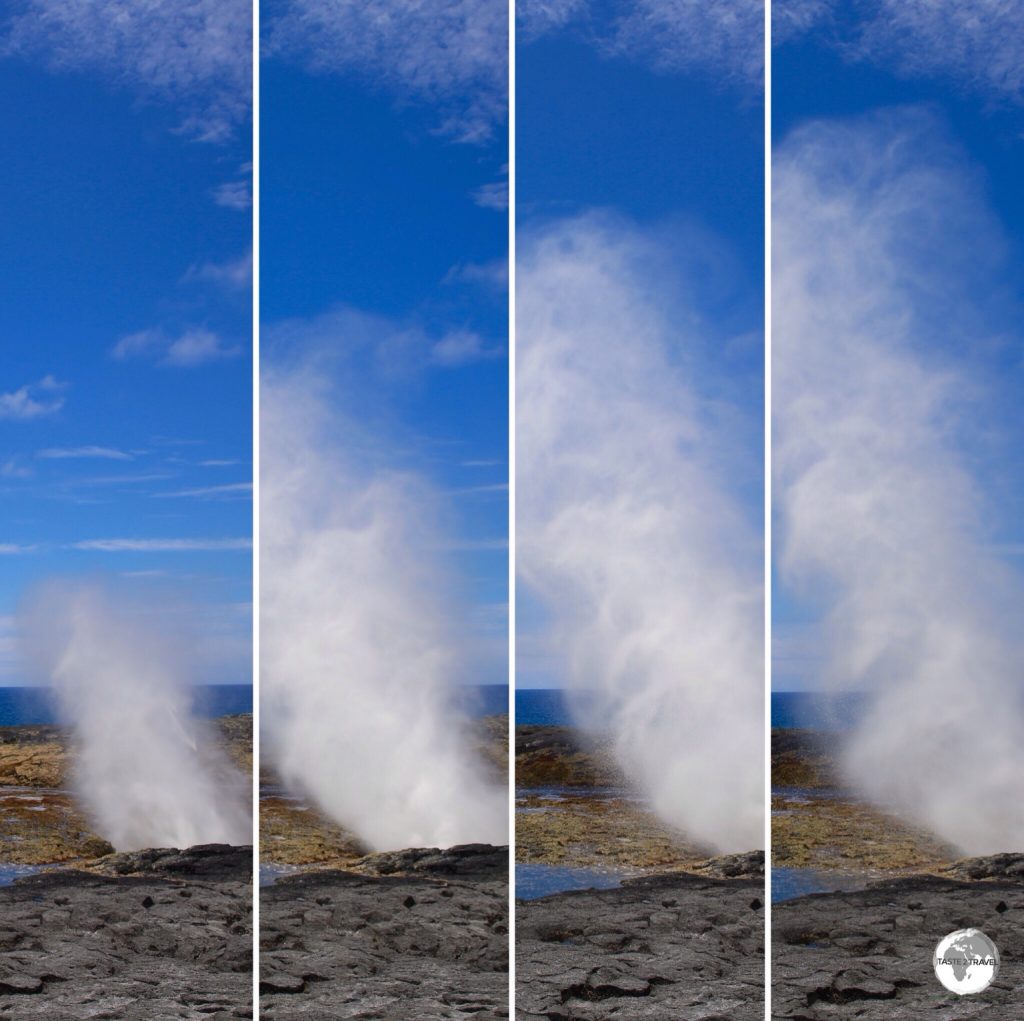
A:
[233,195]
[791,18]
[452,55]
[232,489]
[492,275]
[720,38]
[393,349]
[197,346]
[33,400]
[535,17]
[493,195]
[102,453]
[12,468]
[161,545]
[13,548]
[234,274]
[978,44]
[195,54]
[462,347]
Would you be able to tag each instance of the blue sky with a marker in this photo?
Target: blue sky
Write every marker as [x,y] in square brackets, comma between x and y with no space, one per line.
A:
[651,118]
[384,246]
[958,70]
[125,392]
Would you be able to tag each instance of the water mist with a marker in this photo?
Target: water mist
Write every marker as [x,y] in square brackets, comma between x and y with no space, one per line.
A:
[629,532]
[882,520]
[147,773]
[359,634]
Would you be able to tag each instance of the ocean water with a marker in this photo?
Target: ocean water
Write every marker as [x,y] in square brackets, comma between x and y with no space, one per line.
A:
[533,881]
[549,707]
[542,706]
[25,705]
[479,700]
[817,710]
[11,873]
[788,883]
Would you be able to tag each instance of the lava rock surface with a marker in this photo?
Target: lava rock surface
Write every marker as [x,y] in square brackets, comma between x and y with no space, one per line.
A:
[168,934]
[421,935]
[676,946]
[868,955]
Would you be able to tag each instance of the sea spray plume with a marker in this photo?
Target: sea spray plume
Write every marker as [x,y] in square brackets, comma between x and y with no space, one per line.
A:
[628,534]
[144,769]
[881,249]
[359,642]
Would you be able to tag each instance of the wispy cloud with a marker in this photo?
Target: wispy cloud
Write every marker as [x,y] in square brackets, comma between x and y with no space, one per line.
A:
[118,480]
[493,195]
[232,489]
[13,548]
[195,54]
[33,400]
[69,453]
[979,44]
[194,347]
[390,347]
[791,18]
[536,17]
[161,545]
[451,55]
[233,195]
[492,275]
[234,274]
[720,38]
[12,468]
[462,347]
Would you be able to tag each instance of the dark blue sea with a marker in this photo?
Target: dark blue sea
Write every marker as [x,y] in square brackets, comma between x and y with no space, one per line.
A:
[477,700]
[36,705]
[542,706]
[548,706]
[817,711]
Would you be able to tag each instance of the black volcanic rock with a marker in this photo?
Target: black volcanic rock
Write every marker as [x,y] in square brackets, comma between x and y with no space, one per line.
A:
[164,942]
[427,940]
[674,947]
[868,955]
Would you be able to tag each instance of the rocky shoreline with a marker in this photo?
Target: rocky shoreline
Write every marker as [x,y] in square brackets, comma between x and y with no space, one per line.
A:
[147,935]
[575,809]
[416,935]
[665,946]
[683,939]
[817,824]
[868,954]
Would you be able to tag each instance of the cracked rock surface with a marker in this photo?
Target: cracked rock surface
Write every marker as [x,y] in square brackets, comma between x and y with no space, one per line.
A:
[419,935]
[166,934]
[675,946]
[868,955]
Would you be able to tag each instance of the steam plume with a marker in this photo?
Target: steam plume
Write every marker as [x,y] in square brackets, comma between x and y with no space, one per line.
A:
[876,318]
[628,532]
[145,770]
[358,635]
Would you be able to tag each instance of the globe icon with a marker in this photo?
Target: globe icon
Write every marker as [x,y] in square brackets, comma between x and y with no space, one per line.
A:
[966,961]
